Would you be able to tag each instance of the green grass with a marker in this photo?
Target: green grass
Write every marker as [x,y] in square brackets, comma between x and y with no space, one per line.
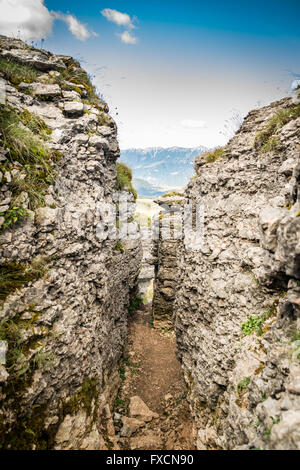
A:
[214,155]
[271,145]
[263,141]
[35,124]
[26,146]
[124,178]
[243,384]
[14,275]
[17,73]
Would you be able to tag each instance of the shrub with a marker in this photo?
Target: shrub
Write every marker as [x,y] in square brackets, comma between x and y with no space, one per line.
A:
[124,178]
[17,73]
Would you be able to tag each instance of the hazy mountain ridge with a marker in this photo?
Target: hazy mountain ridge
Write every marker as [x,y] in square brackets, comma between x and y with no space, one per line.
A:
[161,167]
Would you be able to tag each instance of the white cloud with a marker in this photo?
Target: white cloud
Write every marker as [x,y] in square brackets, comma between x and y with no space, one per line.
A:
[29,19]
[192,124]
[127,38]
[79,30]
[121,19]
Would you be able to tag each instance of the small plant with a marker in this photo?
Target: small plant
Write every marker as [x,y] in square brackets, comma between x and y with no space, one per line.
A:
[243,384]
[118,247]
[12,216]
[267,433]
[255,323]
[120,403]
[252,324]
[214,155]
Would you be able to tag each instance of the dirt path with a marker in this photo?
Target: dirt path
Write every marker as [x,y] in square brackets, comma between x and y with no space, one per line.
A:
[152,372]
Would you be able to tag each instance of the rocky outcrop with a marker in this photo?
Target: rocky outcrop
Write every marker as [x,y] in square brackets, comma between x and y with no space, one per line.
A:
[64,305]
[237,304]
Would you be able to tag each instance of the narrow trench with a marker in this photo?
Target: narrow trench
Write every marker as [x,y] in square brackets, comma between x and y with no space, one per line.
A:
[151,372]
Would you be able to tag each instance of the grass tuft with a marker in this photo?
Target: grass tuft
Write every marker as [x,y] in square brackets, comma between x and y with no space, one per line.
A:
[17,73]
[214,155]
[124,178]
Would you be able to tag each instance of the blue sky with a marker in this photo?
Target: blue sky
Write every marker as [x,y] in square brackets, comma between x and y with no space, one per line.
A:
[172,71]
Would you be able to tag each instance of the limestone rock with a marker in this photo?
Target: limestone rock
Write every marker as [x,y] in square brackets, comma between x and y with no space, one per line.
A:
[139,410]
[73,109]
[130,426]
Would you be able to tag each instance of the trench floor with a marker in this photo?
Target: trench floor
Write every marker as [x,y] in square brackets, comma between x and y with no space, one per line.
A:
[151,371]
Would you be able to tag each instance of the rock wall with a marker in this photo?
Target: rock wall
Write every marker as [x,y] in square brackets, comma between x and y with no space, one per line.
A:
[63,312]
[165,245]
[237,304]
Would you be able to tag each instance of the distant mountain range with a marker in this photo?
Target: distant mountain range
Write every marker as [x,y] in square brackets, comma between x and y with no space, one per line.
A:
[156,169]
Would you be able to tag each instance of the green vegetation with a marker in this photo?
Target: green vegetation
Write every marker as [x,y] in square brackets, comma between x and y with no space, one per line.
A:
[264,141]
[14,275]
[29,155]
[135,304]
[13,216]
[118,247]
[243,384]
[83,398]
[171,194]
[252,324]
[255,323]
[271,145]
[124,178]
[120,403]
[17,73]
[215,155]
[122,373]
[35,124]
[295,335]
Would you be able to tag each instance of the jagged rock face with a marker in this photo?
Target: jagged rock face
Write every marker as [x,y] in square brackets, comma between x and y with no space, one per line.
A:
[73,319]
[237,304]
